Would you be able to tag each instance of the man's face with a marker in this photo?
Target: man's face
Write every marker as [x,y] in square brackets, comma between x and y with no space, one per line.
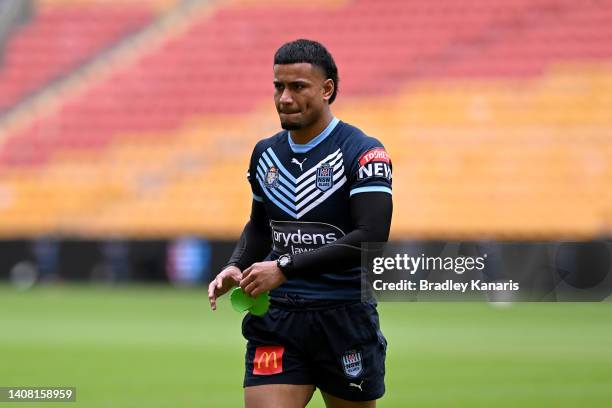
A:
[301,93]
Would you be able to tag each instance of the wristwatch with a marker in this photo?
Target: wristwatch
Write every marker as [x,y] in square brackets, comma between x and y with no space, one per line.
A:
[285,264]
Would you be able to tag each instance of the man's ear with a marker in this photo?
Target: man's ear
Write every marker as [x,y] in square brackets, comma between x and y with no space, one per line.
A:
[328,88]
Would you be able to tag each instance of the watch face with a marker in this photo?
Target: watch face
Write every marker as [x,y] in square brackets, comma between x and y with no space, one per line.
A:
[284,260]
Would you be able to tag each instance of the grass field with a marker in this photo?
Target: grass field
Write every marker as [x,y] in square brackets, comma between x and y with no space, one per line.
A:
[163,347]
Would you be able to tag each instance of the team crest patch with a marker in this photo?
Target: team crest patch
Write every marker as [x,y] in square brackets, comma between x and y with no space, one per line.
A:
[325,177]
[272,177]
[352,363]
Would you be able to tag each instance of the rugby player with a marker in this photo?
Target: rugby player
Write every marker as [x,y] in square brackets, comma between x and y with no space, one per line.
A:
[320,188]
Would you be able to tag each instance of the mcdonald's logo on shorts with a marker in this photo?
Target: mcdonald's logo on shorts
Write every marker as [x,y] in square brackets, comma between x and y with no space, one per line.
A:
[268,360]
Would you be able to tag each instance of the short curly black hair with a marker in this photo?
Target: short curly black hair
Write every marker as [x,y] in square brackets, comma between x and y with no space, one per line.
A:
[312,52]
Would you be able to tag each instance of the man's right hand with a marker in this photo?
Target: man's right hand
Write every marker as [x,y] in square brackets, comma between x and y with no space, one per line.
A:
[223,282]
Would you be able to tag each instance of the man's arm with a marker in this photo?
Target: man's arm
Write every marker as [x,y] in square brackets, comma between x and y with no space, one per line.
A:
[371,215]
[255,241]
[254,245]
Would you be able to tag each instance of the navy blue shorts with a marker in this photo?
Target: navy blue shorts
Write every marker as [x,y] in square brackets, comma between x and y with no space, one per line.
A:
[339,349]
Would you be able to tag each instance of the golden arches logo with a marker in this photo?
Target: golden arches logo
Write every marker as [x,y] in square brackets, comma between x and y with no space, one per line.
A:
[267,356]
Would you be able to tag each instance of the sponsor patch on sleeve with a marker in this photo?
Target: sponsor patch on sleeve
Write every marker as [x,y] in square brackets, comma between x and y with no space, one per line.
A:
[374,163]
[377,154]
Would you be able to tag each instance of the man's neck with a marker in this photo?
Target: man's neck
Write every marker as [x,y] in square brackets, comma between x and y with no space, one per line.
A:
[303,136]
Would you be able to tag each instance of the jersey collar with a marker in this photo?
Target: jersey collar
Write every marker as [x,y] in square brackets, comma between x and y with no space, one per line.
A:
[303,148]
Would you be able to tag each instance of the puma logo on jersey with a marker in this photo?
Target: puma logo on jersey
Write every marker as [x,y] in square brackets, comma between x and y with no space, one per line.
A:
[296,161]
[357,385]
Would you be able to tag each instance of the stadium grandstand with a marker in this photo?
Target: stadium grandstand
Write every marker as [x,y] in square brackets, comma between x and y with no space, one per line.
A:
[138,117]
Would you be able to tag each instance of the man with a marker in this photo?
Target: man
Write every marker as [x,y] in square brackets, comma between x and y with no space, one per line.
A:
[320,188]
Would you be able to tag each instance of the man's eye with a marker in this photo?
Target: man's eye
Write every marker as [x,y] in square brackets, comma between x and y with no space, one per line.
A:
[299,86]
[278,87]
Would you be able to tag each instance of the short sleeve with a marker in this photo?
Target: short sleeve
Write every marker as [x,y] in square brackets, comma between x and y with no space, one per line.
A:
[371,169]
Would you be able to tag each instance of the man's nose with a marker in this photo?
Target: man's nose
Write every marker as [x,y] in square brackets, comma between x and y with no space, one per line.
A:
[285,97]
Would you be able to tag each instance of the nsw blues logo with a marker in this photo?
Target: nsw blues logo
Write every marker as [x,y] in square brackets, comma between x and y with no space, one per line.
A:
[272,177]
[352,363]
[325,177]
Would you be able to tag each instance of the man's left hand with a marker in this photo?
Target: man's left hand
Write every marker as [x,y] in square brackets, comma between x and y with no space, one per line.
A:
[261,277]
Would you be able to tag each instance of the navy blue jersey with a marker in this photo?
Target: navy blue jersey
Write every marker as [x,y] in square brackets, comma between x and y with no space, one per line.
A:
[306,189]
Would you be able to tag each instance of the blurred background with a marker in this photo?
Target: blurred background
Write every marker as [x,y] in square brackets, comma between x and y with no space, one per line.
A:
[126,128]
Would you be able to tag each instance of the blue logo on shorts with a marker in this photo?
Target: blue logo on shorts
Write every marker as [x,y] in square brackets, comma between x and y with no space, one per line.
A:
[351,363]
